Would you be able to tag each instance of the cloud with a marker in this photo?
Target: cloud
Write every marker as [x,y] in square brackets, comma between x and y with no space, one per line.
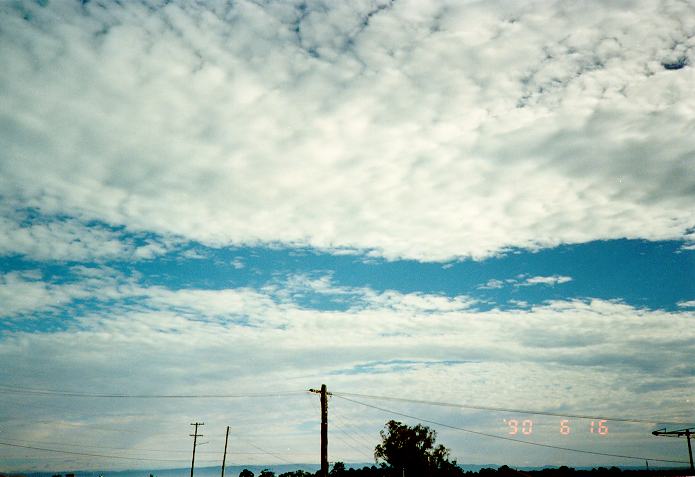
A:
[60,238]
[425,131]
[28,295]
[687,304]
[492,284]
[158,340]
[550,280]
[523,280]
[238,263]
[21,292]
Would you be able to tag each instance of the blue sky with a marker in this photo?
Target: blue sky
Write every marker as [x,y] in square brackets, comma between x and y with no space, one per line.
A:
[476,203]
[651,275]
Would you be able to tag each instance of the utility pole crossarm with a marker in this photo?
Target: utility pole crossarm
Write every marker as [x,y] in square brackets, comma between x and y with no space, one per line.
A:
[318,391]
[195,437]
[688,432]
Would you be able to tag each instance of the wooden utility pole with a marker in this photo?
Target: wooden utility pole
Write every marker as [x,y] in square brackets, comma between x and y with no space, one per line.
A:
[324,432]
[195,437]
[224,456]
[687,432]
[324,428]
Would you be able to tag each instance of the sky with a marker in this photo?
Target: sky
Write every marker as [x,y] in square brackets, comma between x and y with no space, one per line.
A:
[207,208]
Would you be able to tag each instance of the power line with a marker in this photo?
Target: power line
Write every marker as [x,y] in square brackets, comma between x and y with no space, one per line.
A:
[569,449]
[53,392]
[78,426]
[365,437]
[78,445]
[272,454]
[502,409]
[353,447]
[141,449]
[342,427]
[45,449]
[60,425]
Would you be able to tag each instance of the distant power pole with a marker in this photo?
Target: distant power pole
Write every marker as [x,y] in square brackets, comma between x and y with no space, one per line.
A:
[324,432]
[195,437]
[224,456]
[687,432]
[324,428]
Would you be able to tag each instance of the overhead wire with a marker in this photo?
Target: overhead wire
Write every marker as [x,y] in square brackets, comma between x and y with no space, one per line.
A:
[137,449]
[154,459]
[511,439]
[89,454]
[75,425]
[337,415]
[273,454]
[63,393]
[503,409]
[360,443]
[343,428]
[341,395]
[352,446]
[77,394]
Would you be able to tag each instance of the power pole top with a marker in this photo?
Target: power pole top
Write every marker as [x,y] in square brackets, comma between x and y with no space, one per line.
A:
[319,391]
[195,437]
[688,432]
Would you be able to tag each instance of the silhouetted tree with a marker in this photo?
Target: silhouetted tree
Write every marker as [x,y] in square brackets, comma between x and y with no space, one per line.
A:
[266,473]
[246,473]
[413,450]
[338,469]
[296,473]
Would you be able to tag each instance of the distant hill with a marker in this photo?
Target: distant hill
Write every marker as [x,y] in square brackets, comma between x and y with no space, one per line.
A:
[234,470]
[230,471]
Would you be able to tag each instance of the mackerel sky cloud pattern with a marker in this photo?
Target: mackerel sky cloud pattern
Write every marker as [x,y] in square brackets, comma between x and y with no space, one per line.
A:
[488,202]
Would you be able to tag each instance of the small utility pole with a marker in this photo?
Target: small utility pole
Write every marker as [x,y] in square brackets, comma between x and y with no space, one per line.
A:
[195,437]
[324,428]
[224,456]
[687,432]
[690,449]
[324,432]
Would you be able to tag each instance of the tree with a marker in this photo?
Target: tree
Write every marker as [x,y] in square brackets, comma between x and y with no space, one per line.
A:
[338,469]
[413,451]
[266,473]
[246,473]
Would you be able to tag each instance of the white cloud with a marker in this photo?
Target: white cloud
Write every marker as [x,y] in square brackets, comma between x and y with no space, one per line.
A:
[193,254]
[426,130]
[67,238]
[154,340]
[492,284]
[523,280]
[238,263]
[687,304]
[549,280]
[21,293]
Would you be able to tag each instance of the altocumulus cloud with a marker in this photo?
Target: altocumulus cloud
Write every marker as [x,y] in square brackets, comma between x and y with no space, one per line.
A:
[561,354]
[425,130]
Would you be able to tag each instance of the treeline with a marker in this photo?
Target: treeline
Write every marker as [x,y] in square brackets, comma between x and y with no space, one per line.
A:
[412,451]
[339,470]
